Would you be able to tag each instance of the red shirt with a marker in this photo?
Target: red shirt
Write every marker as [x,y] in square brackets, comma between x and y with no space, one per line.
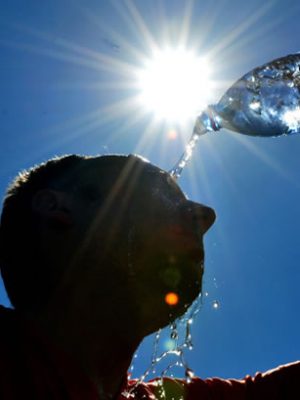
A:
[31,367]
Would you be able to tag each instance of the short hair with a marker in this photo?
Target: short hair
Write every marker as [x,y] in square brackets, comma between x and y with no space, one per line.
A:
[28,285]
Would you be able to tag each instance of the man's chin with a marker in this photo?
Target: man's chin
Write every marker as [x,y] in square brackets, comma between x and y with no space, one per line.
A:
[170,291]
[186,297]
[163,314]
[186,303]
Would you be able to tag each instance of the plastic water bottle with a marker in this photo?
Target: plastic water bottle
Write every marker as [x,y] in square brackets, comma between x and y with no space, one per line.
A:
[264,102]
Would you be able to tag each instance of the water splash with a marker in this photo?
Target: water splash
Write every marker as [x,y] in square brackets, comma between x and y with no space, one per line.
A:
[189,375]
[174,332]
[178,351]
[208,121]
[188,335]
[131,369]
[155,348]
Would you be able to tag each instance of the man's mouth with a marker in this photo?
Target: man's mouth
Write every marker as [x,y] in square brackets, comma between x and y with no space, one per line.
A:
[179,230]
[187,243]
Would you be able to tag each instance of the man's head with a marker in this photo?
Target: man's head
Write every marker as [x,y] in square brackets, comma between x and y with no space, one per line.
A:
[110,231]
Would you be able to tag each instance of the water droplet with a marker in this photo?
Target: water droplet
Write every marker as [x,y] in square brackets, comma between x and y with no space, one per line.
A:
[215,304]
[189,374]
[174,335]
[215,283]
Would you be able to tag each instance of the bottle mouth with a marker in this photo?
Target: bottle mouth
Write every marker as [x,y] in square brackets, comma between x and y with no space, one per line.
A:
[208,121]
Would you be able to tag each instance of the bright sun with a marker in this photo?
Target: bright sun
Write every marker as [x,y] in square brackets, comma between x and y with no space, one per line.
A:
[174,85]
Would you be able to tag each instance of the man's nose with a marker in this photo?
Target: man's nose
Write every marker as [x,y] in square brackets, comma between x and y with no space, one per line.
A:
[199,216]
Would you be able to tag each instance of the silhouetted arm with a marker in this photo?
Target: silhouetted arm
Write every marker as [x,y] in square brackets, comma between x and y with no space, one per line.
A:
[282,383]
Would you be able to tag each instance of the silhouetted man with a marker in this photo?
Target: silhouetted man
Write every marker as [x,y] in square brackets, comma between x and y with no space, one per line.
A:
[90,249]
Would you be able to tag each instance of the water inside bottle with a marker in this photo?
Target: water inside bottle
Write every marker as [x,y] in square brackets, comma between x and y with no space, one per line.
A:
[265,102]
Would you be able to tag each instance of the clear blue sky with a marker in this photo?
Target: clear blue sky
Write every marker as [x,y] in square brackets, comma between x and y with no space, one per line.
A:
[57,97]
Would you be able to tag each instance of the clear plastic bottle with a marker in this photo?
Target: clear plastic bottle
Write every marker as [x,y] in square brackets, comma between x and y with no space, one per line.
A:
[264,102]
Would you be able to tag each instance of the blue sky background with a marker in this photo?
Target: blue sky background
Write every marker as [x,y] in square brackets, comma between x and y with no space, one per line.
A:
[57,98]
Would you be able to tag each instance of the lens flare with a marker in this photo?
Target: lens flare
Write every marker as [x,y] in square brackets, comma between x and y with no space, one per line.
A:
[172,298]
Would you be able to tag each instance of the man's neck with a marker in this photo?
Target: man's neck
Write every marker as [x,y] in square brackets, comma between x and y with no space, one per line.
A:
[103,349]
[106,363]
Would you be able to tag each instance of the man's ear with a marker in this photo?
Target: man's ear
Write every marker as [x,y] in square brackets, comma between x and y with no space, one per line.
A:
[52,206]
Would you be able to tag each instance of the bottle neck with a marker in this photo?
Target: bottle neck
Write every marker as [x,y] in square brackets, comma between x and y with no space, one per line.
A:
[207,121]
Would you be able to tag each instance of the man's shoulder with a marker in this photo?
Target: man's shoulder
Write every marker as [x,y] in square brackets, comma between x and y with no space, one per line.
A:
[12,343]
[8,322]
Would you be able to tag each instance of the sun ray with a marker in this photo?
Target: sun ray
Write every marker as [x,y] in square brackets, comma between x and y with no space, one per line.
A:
[212,153]
[164,142]
[148,138]
[263,156]
[102,63]
[236,33]
[120,40]
[255,35]
[67,135]
[125,127]
[122,210]
[121,108]
[77,54]
[116,85]
[207,23]
[165,37]
[186,23]
[141,25]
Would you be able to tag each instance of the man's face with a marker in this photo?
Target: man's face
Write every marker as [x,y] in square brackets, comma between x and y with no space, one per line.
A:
[147,236]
